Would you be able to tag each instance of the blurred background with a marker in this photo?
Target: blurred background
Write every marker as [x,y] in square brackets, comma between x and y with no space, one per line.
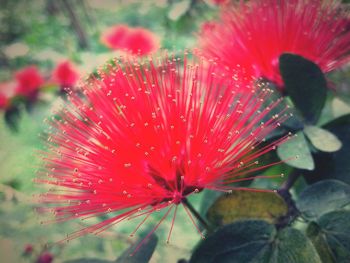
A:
[48,46]
[54,43]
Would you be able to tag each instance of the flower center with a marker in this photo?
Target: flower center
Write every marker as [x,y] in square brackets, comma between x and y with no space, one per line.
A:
[177,197]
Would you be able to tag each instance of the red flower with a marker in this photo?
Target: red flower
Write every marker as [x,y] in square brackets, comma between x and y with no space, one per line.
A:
[28,249]
[3,101]
[254,34]
[114,37]
[45,257]
[147,135]
[65,74]
[207,27]
[141,41]
[137,41]
[29,81]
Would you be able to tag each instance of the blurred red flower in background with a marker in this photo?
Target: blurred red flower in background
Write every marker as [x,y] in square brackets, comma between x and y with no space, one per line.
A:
[137,41]
[255,33]
[207,27]
[147,135]
[29,81]
[45,257]
[141,41]
[65,74]
[114,37]
[3,101]
[28,250]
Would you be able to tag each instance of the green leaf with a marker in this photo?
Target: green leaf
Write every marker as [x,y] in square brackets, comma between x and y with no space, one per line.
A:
[336,228]
[322,139]
[296,152]
[208,198]
[334,165]
[292,246]
[255,241]
[139,255]
[339,108]
[245,239]
[305,84]
[340,78]
[323,197]
[292,124]
[246,205]
[319,241]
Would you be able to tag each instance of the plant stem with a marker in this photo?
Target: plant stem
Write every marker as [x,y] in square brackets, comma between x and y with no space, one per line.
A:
[196,214]
[83,41]
[292,178]
[293,211]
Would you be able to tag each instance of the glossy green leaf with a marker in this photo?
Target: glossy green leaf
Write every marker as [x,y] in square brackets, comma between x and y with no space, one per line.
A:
[246,205]
[255,241]
[296,152]
[334,165]
[208,198]
[292,123]
[322,139]
[305,84]
[323,197]
[340,108]
[318,239]
[142,254]
[335,226]
[340,78]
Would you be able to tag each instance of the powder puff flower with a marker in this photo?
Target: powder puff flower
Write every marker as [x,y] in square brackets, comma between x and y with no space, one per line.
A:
[141,41]
[65,74]
[137,41]
[146,135]
[114,36]
[255,33]
[29,81]
[3,101]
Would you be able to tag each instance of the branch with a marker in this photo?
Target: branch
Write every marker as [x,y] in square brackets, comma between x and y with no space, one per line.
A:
[83,43]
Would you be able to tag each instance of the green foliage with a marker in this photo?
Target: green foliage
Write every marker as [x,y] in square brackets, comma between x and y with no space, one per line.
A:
[335,226]
[334,165]
[322,139]
[141,254]
[253,235]
[255,241]
[246,205]
[307,88]
[314,233]
[208,198]
[305,84]
[322,197]
[295,152]
[330,235]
